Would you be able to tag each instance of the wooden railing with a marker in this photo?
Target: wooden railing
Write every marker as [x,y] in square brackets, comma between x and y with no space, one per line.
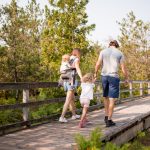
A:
[142,86]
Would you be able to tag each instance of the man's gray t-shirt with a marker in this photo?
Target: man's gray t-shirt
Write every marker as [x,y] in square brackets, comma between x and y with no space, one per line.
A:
[111,58]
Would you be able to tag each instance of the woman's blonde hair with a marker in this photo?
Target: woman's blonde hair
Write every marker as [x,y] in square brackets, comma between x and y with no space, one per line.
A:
[88,77]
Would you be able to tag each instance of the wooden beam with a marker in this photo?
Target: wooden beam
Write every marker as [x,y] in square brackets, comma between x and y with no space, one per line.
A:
[29,85]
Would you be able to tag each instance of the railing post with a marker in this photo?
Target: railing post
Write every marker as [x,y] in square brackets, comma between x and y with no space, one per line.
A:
[141,88]
[25,100]
[130,87]
[148,87]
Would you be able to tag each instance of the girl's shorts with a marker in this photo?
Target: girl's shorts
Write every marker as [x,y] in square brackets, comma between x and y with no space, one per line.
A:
[85,102]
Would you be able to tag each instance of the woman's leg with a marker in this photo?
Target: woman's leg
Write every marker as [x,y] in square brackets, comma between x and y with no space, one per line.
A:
[67,102]
[72,106]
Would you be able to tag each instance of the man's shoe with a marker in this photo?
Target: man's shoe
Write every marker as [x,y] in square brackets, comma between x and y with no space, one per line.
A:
[106,119]
[110,123]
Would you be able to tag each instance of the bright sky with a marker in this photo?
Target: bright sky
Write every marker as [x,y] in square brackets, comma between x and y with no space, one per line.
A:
[105,13]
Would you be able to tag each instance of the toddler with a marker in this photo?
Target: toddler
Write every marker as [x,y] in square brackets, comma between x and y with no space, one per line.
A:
[87,86]
[65,70]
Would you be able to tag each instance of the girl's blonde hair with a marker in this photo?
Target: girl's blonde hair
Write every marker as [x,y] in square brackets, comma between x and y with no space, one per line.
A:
[88,77]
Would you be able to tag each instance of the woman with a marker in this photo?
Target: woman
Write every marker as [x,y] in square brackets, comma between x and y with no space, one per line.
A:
[75,57]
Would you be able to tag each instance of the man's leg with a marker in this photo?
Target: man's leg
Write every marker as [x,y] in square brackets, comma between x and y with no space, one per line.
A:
[105,86]
[109,122]
[106,105]
[113,94]
[111,108]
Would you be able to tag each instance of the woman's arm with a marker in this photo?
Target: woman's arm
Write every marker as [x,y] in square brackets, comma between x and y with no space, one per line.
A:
[78,69]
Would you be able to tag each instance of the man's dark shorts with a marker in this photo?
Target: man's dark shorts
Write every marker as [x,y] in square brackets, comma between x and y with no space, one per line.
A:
[110,86]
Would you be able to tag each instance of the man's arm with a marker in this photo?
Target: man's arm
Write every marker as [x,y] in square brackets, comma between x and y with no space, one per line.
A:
[97,66]
[124,70]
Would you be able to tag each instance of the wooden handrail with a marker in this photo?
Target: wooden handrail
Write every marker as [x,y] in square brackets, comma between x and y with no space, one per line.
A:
[25,87]
[33,85]
[29,85]
[52,100]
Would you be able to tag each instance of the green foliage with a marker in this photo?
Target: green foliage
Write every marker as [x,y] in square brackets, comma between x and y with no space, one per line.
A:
[91,143]
[94,143]
[46,110]
[10,116]
[141,135]
[20,32]
[83,144]
[7,101]
[95,138]
[65,29]
[135,44]
[111,146]
[125,146]
[88,60]
[51,93]
[136,146]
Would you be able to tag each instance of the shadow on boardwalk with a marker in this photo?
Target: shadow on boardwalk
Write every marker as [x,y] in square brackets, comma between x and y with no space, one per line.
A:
[57,136]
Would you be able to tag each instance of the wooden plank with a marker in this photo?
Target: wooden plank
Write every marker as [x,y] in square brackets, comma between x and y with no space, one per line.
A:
[147,123]
[130,128]
[39,102]
[56,135]
[127,135]
[32,104]
[54,100]
[30,85]
[38,121]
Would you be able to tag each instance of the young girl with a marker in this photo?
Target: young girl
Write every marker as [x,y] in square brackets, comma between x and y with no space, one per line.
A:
[87,86]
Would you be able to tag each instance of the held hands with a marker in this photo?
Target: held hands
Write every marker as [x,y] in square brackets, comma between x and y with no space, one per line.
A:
[81,79]
[95,77]
[126,81]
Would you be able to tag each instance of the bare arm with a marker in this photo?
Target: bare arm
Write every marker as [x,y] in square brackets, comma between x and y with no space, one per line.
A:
[124,70]
[97,66]
[78,69]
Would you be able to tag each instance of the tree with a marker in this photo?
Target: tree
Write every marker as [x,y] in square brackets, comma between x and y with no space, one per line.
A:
[90,58]
[135,44]
[20,31]
[65,29]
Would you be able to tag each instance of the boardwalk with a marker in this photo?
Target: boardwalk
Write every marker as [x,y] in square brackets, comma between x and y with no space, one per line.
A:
[56,136]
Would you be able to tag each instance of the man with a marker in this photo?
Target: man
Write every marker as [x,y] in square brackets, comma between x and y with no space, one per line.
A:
[110,59]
